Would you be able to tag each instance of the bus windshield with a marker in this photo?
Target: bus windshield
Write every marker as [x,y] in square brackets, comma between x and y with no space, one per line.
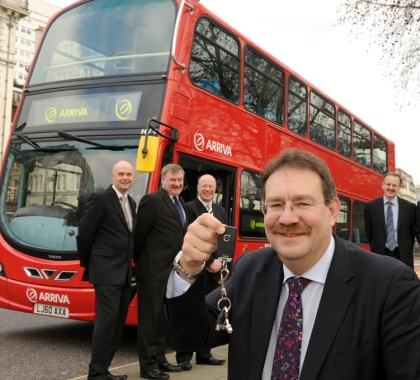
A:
[44,191]
[105,38]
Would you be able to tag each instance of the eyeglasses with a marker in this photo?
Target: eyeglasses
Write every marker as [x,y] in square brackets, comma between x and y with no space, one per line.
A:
[276,209]
[390,185]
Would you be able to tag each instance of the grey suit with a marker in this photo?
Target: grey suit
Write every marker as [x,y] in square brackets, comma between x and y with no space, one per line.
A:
[375,226]
[367,326]
[106,245]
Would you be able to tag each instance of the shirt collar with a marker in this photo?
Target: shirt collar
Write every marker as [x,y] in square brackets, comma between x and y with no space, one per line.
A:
[319,271]
[118,193]
[203,202]
[394,201]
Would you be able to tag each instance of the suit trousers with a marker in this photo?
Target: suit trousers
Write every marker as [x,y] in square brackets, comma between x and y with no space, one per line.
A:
[111,312]
[150,341]
[395,253]
[211,284]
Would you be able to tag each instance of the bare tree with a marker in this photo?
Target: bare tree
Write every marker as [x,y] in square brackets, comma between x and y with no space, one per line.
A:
[394,26]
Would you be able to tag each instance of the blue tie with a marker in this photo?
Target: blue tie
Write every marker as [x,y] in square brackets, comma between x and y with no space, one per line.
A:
[391,243]
[179,208]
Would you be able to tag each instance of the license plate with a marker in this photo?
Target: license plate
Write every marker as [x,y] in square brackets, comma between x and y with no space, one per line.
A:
[54,311]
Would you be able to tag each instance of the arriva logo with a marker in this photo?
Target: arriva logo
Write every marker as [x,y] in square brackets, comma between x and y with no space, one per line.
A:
[215,146]
[50,114]
[32,295]
[123,109]
[50,297]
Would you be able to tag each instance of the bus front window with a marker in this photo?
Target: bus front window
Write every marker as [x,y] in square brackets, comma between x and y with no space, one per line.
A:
[105,38]
[43,193]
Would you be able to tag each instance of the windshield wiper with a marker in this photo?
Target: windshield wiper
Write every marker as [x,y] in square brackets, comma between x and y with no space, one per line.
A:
[45,148]
[96,145]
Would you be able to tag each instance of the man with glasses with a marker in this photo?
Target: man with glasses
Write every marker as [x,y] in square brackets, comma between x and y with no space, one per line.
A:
[390,222]
[311,306]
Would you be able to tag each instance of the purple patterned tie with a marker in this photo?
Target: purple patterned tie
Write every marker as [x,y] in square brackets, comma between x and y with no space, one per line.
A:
[287,355]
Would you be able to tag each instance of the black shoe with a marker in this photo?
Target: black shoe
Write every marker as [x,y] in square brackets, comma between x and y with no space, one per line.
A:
[186,366]
[166,367]
[211,361]
[116,377]
[154,374]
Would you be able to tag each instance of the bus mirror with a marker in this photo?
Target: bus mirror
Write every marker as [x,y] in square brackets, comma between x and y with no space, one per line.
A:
[147,154]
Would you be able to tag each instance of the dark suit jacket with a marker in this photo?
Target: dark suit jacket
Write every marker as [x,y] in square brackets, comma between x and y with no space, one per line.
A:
[159,235]
[367,326]
[196,208]
[375,226]
[417,228]
[104,242]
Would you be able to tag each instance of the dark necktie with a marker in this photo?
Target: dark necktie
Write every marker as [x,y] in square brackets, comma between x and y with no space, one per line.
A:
[287,355]
[123,200]
[180,210]
[391,243]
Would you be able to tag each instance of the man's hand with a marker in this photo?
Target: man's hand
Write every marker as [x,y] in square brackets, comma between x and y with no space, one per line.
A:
[200,242]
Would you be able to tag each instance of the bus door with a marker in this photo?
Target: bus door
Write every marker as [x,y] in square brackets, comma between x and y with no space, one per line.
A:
[195,167]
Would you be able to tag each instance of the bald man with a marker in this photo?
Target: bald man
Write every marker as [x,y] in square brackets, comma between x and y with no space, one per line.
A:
[105,243]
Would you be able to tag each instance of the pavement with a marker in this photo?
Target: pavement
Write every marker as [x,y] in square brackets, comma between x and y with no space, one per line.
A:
[198,372]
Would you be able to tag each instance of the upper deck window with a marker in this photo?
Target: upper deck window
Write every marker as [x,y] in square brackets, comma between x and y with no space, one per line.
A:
[102,38]
[362,140]
[298,107]
[344,134]
[214,62]
[380,155]
[322,127]
[264,87]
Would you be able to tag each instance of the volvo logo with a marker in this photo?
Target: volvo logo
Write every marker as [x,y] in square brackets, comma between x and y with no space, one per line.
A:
[226,238]
[32,295]
[199,141]
[123,109]
[51,114]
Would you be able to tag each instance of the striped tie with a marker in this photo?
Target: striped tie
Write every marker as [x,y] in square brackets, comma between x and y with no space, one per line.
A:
[123,200]
[391,242]
[208,207]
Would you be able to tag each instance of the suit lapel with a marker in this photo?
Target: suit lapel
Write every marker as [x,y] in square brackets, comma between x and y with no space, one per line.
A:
[265,301]
[333,306]
[133,211]
[380,209]
[401,211]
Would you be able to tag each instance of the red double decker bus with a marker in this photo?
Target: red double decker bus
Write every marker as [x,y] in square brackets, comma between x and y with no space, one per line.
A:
[202,95]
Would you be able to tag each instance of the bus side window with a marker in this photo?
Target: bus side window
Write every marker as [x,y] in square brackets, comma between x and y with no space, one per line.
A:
[251,219]
[344,134]
[380,155]
[214,64]
[362,141]
[322,121]
[297,108]
[358,230]
[263,87]
[343,221]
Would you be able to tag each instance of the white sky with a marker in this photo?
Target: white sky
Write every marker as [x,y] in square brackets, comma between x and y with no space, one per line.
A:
[302,35]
